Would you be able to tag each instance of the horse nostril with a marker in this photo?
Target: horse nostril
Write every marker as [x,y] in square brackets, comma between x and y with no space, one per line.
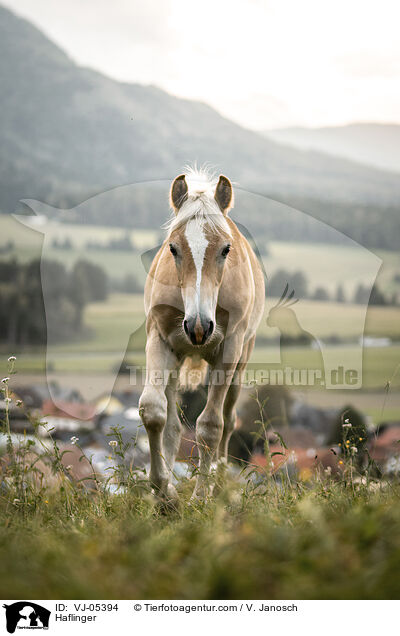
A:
[208,331]
[185,326]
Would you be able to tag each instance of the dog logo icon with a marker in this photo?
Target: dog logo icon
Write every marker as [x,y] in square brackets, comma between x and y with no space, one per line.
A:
[26,615]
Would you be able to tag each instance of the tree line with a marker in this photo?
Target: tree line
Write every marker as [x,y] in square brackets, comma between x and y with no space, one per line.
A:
[23,311]
[298,282]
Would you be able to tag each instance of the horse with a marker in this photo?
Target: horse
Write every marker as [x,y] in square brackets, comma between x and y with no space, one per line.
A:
[204,298]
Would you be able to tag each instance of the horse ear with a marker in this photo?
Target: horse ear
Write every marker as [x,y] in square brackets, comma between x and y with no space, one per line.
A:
[224,194]
[179,192]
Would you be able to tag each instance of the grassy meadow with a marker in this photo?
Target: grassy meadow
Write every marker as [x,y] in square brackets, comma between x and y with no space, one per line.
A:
[309,541]
[265,534]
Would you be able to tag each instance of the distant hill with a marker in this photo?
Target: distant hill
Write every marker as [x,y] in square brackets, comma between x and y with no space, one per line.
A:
[373,144]
[67,132]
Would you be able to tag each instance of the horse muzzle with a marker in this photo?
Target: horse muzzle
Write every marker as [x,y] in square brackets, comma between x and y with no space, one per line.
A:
[198,329]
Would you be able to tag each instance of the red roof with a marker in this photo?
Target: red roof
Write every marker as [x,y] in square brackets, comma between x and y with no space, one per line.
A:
[76,410]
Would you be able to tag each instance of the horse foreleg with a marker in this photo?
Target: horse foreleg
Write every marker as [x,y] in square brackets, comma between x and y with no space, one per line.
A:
[153,407]
[210,423]
[229,414]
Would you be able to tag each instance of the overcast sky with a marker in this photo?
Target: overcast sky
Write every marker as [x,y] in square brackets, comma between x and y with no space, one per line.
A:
[263,63]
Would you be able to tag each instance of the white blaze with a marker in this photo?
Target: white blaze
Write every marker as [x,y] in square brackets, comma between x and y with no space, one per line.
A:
[197,241]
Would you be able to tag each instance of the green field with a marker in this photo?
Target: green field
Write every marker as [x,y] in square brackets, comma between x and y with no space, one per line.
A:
[324,265]
[29,243]
[113,320]
[29,236]
[118,323]
[117,333]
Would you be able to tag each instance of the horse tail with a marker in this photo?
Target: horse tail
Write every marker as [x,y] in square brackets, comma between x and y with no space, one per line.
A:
[192,374]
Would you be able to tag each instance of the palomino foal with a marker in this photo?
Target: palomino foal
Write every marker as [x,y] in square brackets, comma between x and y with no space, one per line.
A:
[204,298]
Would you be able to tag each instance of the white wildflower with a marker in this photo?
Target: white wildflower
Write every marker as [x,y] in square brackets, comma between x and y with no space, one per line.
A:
[354,450]
[74,439]
[12,359]
[68,467]
[392,465]
[328,470]
[5,380]
[113,443]
[7,400]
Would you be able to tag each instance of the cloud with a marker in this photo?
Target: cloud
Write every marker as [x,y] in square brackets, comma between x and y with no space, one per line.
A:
[120,38]
[375,64]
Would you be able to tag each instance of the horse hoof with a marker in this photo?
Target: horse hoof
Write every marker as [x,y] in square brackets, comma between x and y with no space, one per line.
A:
[221,475]
[172,493]
[168,506]
[168,501]
[201,495]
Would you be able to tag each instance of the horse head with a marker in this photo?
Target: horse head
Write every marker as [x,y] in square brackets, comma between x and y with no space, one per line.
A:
[199,243]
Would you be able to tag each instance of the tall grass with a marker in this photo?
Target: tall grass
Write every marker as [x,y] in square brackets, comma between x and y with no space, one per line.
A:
[265,535]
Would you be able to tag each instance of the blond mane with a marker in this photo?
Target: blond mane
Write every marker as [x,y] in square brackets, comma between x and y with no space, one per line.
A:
[200,204]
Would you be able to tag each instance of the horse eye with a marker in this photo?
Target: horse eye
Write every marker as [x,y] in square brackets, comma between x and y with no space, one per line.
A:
[225,251]
[173,250]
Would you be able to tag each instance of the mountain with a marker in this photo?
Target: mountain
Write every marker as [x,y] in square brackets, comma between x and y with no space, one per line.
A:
[68,132]
[376,145]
